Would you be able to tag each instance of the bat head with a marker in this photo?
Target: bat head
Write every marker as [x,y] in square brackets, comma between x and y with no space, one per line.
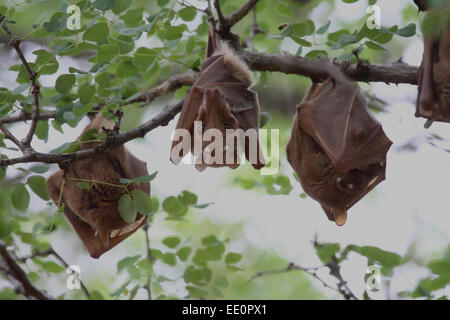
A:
[335,190]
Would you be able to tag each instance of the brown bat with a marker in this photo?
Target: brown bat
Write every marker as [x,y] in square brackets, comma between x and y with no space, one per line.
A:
[337,148]
[433,101]
[422,4]
[220,98]
[93,213]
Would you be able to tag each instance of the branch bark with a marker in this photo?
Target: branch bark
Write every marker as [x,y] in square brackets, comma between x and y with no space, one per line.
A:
[14,273]
[112,140]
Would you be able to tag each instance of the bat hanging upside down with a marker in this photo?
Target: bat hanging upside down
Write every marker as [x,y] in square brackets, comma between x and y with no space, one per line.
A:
[337,148]
[93,212]
[433,100]
[219,100]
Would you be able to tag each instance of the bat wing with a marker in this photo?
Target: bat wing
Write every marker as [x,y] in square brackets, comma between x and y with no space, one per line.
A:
[86,233]
[189,112]
[427,97]
[244,105]
[339,121]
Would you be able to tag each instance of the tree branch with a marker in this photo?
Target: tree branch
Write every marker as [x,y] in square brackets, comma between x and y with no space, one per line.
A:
[170,85]
[398,72]
[150,259]
[35,89]
[112,140]
[17,277]
[225,23]
[26,116]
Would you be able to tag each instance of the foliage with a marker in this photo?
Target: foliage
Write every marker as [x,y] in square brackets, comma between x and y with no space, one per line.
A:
[131,46]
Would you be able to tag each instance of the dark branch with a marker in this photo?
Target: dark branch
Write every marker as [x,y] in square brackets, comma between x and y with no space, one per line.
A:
[26,116]
[225,23]
[112,140]
[170,85]
[35,89]
[18,278]
[397,72]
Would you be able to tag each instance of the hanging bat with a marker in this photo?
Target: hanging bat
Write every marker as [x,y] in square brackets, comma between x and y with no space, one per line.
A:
[422,4]
[219,99]
[93,213]
[337,148]
[433,100]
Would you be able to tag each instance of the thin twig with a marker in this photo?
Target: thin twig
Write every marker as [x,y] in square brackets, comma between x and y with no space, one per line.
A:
[150,258]
[10,136]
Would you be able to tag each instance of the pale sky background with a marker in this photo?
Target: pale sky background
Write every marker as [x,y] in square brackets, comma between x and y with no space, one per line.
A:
[411,204]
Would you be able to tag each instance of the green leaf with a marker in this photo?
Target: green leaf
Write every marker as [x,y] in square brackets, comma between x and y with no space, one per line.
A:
[52,267]
[126,69]
[174,207]
[39,169]
[171,242]
[65,82]
[145,179]
[188,198]
[126,262]
[20,197]
[221,282]
[104,5]
[89,135]
[407,31]
[84,185]
[283,9]
[327,251]
[196,292]
[277,185]
[175,32]
[232,258]
[324,28]
[133,17]
[187,13]
[127,209]
[95,295]
[169,258]
[121,5]
[314,54]
[52,26]
[144,57]
[97,33]
[42,130]
[39,186]
[162,3]
[440,266]
[387,259]
[142,201]
[184,253]
[374,46]
[107,52]
[68,147]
